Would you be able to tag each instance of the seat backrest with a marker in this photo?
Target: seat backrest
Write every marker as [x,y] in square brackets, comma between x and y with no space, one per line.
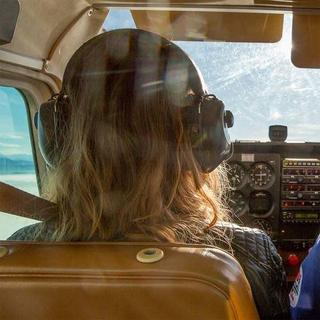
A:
[116,281]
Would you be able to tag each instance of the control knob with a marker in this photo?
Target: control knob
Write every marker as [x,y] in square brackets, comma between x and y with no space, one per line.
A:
[300,179]
[293,260]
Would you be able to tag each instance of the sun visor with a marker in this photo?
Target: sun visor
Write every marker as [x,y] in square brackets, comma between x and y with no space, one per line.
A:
[9,11]
[306,41]
[211,26]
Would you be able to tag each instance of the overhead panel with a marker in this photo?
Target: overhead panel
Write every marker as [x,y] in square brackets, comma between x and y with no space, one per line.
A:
[299,4]
[211,26]
[306,41]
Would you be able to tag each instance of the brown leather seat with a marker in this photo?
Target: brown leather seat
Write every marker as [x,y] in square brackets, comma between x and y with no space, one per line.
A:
[106,281]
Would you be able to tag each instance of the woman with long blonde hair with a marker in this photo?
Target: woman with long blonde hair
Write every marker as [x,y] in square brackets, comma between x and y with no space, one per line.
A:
[123,160]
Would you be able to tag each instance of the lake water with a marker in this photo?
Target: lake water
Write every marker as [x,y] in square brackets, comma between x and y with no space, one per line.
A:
[10,223]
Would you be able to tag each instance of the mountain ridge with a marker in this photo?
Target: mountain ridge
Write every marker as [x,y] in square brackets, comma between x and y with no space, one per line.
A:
[16,164]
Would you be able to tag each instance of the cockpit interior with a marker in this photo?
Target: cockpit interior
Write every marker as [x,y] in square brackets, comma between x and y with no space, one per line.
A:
[262,58]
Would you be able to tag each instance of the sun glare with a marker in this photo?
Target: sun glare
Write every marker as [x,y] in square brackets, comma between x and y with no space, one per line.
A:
[285,44]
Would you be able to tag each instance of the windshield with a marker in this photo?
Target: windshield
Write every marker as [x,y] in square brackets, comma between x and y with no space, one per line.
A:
[256,81]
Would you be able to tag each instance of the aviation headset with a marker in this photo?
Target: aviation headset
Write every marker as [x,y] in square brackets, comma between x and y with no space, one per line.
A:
[204,118]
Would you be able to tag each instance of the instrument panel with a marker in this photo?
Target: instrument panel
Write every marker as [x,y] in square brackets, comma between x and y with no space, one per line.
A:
[279,195]
[254,181]
[276,187]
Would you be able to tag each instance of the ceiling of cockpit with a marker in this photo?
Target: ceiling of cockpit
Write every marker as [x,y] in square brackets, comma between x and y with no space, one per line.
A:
[40,24]
[48,32]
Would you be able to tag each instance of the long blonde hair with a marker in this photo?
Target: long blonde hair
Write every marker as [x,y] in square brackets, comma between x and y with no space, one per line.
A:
[126,164]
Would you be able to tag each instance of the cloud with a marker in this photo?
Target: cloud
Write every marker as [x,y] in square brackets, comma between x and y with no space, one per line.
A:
[11,136]
[9,145]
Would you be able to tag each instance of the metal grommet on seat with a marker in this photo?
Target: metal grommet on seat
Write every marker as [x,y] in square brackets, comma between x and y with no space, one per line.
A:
[150,255]
[3,251]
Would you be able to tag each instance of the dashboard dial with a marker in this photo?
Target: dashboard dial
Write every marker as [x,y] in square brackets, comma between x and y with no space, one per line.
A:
[261,175]
[236,175]
[237,203]
[264,225]
[260,202]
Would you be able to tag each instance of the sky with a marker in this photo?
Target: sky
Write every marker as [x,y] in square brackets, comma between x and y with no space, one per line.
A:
[257,82]
[14,129]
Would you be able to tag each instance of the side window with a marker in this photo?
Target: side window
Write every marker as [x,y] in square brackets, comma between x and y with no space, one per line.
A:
[16,161]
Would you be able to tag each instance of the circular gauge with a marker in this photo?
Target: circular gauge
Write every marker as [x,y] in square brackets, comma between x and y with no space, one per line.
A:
[261,175]
[264,225]
[237,203]
[260,202]
[236,175]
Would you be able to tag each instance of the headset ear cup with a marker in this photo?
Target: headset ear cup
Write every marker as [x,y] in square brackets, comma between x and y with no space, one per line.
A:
[35,119]
[46,131]
[214,145]
[49,133]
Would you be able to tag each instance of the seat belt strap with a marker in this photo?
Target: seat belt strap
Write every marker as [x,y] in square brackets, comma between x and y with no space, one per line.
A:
[20,203]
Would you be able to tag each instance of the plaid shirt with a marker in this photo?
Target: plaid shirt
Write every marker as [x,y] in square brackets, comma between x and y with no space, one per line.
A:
[305,293]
